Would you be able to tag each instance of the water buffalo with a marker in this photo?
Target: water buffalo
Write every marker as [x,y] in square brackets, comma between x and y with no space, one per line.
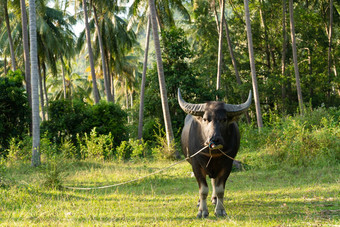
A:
[211,125]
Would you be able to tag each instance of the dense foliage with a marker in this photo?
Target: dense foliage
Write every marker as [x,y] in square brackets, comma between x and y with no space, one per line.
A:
[309,140]
[71,119]
[14,110]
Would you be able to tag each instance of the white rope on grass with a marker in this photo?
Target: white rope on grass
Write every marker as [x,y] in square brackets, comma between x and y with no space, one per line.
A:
[139,178]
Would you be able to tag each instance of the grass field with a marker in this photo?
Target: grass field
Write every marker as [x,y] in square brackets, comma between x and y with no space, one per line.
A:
[285,197]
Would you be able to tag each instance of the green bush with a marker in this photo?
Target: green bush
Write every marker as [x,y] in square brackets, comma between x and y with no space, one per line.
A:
[132,149]
[20,149]
[3,170]
[14,110]
[71,120]
[96,146]
[311,139]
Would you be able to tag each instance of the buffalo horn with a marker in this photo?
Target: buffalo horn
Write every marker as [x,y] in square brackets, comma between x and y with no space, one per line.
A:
[234,110]
[193,109]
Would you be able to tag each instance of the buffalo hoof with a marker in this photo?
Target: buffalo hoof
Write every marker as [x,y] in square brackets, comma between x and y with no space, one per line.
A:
[202,214]
[220,213]
[214,200]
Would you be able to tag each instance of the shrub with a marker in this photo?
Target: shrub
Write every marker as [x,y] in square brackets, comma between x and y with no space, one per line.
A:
[67,119]
[312,139]
[134,149]
[3,170]
[162,150]
[14,109]
[96,146]
[20,149]
[53,173]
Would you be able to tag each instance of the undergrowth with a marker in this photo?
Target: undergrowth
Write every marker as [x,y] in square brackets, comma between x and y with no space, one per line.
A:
[308,140]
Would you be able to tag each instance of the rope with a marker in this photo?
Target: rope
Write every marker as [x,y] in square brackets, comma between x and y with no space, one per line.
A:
[139,178]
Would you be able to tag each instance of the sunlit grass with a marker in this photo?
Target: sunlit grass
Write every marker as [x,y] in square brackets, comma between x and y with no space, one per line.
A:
[285,197]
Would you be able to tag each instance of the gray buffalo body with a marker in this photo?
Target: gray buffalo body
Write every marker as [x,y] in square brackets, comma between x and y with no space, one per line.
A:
[211,124]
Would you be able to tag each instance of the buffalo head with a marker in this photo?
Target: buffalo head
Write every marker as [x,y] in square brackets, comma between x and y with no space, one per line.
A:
[214,118]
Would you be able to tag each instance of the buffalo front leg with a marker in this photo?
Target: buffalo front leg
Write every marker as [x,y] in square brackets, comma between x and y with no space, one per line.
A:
[220,210]
[203,191]
[203,208]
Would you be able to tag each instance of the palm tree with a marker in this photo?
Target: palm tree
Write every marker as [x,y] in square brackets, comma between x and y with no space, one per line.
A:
[231,51]
[26,50]
[89,47]
[330,31]
[296,67]
[284,50]
[109,97]
[164,98]
[142,88]
[252,66]
[10,40]
[220,45]
[139,11]
[34,83]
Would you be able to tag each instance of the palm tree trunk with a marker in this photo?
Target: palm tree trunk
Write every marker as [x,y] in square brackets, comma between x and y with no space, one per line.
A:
[110,77]
[35,84]
[26,51]
[10,40]
[296,68]
[213,8]
[164,98]
[263,24]
[63,73]
[142,88]
[220,47]
[231,51]
[89,47]
[284,51]
[252,66]
[330,31]
[106,82]
[41,92]
[45,88]
[5,64]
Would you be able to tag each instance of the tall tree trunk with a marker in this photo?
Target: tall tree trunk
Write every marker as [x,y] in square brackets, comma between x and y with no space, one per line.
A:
[35,85]
[162,87]
[231,51]
[213,8]
[63,73]
[233,60]
[252,66]
[330,31]
[142,87]
[10,40]
[296,67]
[101,48]
[26,51]
[45,88]
[220,47]
[110,77]
[5,64]
[263,24]
[41,91]
[89,47]
[284,51]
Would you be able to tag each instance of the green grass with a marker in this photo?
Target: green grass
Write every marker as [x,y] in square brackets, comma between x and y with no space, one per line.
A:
[283,197]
